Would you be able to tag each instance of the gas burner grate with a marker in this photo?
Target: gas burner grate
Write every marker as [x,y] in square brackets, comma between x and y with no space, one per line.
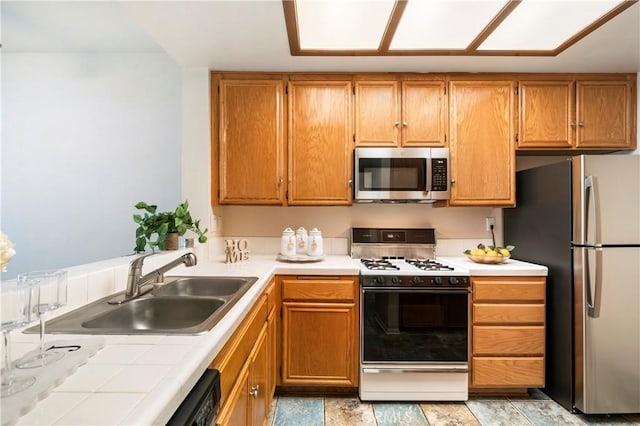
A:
[429,265]
[378,264]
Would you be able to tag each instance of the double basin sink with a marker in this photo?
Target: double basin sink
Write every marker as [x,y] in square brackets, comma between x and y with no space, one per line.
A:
[181,305]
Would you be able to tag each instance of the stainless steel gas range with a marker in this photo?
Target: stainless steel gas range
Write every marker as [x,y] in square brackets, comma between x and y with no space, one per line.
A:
[414,313]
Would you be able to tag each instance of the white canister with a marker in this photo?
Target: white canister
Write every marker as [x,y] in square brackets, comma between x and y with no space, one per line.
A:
[288,243]
[301,241]
[314,245]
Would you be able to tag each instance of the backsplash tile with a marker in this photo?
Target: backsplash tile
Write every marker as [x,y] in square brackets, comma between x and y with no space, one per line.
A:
[271,246]
[100,284]
[77,290]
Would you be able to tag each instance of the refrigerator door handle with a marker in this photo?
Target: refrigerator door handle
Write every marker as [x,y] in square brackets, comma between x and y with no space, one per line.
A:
[591,197]
[593,296]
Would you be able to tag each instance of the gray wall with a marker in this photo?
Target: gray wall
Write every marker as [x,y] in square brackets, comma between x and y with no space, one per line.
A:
[85,137]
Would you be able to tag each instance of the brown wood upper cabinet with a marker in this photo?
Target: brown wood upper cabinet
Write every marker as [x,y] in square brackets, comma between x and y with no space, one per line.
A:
[577,114]
[400,113]
[482,121]
[251,142]
[320,145]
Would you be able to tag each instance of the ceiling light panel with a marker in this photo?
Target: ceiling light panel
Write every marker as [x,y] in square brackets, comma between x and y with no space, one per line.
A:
[443,24]
[545,24]
[342,24]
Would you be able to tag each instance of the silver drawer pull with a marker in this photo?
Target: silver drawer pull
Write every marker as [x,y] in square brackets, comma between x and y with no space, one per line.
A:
[408,370]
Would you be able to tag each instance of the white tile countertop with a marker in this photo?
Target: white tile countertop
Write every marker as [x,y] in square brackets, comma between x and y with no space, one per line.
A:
[511,267]
[138,379]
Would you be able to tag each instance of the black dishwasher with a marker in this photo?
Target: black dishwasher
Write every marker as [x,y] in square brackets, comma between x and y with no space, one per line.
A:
[200,406]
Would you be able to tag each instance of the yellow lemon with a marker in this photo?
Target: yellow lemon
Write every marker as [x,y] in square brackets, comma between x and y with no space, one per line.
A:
[505,252]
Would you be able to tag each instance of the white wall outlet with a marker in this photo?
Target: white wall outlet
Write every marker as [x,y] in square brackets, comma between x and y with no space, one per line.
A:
[490,222]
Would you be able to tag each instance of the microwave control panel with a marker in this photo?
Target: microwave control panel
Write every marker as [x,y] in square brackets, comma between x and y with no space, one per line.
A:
[439,174]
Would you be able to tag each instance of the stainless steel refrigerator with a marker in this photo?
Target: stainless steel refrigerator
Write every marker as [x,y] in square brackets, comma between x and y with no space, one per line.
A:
[581,218]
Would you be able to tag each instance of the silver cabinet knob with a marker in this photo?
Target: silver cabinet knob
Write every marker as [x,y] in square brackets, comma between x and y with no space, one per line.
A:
[404,124]
[572,123]
[581,123]
[453,181]
[254,391]
[397,123]
[280,181]
[350,182]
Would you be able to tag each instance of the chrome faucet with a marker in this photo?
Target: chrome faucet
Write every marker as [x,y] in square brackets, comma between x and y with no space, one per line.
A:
[135,279]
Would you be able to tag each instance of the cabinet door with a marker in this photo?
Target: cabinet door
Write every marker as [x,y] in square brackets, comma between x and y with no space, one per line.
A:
[251,142]
[320,146]
[272,367]
[377,113]
[604,111]
[258,380]
[319,344]
[423,113]
[236,411]
[482,143]
[546,117]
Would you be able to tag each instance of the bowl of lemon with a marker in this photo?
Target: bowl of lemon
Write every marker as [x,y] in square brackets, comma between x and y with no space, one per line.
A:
[489,254]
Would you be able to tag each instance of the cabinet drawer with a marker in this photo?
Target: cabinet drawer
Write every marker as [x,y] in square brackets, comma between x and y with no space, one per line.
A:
[486,313]
[524,340]
[318,289]
[510,289]
[510,372]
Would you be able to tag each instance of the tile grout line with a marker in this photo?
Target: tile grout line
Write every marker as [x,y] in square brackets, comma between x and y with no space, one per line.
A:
[471,411]
[521,412]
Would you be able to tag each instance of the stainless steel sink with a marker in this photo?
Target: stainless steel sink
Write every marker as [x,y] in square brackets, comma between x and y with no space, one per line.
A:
[163,313]
[204,286]
[180,305]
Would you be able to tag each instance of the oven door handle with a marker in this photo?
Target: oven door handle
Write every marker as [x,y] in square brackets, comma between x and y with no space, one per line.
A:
[411,290]
[434,369]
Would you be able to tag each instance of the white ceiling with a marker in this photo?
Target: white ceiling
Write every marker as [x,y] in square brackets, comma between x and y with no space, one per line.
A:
[243,35]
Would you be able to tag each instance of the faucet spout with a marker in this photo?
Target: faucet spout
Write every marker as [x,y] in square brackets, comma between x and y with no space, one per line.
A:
[157,275]
[136,280]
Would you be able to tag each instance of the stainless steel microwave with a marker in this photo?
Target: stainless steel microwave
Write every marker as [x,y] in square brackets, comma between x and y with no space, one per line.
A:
[401,174]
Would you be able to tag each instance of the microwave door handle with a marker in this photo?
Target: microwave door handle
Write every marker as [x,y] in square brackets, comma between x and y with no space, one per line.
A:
[427,178]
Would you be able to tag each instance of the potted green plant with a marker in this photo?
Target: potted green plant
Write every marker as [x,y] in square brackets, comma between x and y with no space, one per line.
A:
[167,226]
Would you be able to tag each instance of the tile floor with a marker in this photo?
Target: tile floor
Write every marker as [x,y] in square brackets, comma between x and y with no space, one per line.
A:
[536,409]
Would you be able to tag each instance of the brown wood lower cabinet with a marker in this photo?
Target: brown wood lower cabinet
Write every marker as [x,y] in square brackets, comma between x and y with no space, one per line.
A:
[319,331]
[508,371]
[507,332]
[247,366]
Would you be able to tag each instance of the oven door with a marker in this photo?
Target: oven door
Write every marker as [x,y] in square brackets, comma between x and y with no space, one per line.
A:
[414,344]
[414,326]
[392,174]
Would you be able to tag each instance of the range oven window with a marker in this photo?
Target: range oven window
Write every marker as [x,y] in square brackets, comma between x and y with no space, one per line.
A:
[414,325]
[392,174]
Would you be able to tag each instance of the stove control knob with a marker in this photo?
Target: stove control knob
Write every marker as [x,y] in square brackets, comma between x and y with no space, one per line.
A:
[380,279]
[417,280]
[437,280]
[453,281]
[395,280]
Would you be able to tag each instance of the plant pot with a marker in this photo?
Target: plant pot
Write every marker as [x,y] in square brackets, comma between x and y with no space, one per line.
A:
[171,241]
